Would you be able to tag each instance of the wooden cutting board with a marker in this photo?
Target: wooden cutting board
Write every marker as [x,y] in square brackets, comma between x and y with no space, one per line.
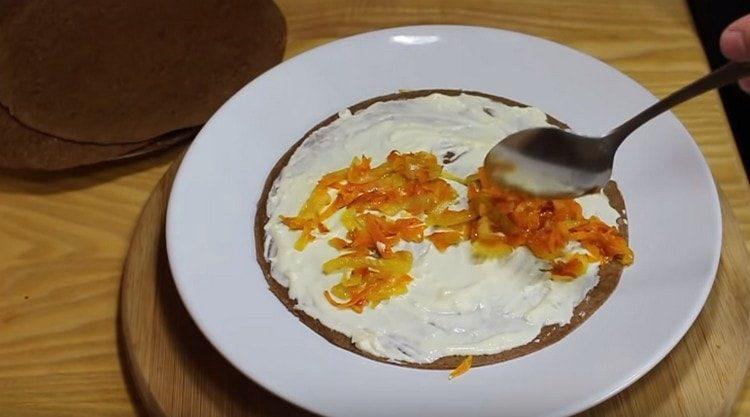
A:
[176,372]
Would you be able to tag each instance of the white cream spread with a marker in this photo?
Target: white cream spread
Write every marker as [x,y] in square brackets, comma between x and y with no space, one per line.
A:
[456,305]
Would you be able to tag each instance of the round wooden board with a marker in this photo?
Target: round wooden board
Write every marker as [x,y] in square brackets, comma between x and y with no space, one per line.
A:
[176,372]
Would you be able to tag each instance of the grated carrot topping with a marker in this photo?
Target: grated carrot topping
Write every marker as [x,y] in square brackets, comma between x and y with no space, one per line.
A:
[414,187]
[462,368]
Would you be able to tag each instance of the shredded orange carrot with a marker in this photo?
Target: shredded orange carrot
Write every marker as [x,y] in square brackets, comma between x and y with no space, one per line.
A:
[413,187]
[462,368]
[450,218]
[372,270]
[570,268]
[443,239]
[545,226]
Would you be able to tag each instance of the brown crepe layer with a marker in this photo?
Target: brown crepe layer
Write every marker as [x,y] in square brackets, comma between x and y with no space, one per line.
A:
[609,274]
[114,72]
[27,149]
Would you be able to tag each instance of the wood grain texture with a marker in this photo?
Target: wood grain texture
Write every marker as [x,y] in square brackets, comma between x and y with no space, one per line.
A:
[177,372]
[63,237]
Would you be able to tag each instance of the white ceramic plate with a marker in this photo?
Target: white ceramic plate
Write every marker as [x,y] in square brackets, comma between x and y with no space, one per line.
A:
[673,210]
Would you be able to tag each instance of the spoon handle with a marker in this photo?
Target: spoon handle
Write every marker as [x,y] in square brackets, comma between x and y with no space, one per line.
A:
[727,74]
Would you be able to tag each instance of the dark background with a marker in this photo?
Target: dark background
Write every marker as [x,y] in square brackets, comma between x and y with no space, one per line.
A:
[711,17]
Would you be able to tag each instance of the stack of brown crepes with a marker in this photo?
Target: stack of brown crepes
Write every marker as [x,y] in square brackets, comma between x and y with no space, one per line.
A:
[97,80]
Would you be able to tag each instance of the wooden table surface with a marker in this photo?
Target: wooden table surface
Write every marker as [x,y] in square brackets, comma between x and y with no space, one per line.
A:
[63,237]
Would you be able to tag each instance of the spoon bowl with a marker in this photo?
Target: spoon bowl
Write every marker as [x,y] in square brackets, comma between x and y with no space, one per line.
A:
[550,162]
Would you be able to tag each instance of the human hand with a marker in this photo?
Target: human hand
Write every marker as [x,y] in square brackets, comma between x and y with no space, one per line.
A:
[735,45]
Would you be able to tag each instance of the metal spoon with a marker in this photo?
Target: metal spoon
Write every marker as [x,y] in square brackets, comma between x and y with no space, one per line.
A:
[550,162]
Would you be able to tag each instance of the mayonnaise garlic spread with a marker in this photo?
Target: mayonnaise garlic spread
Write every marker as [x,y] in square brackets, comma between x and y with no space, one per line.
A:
[456,305]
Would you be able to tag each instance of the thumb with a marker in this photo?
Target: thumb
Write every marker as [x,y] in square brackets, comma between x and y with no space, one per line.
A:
[735,41]
[735,44]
